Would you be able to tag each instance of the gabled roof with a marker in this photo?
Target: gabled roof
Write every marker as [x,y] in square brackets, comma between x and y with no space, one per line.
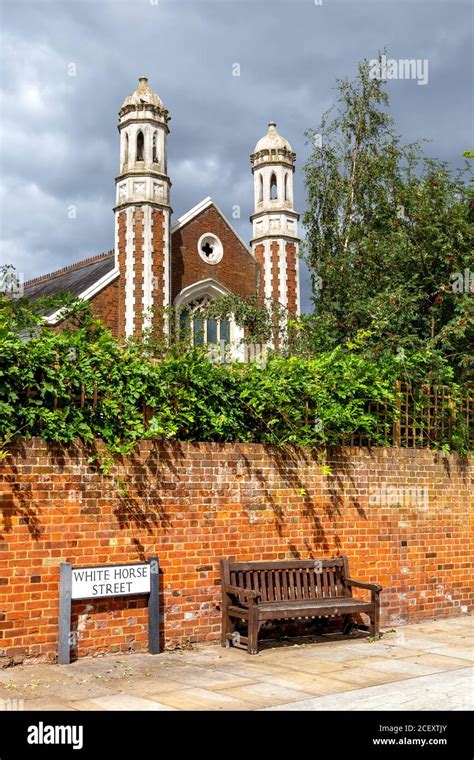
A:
[198,209]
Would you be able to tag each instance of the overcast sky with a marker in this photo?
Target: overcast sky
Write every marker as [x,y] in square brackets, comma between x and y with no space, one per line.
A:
[59,139]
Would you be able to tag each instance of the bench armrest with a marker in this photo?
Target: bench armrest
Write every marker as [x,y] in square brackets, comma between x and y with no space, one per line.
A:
[360,584]
[245,595]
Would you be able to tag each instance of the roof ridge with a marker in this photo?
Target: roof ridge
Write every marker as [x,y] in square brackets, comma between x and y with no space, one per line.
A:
[70,267]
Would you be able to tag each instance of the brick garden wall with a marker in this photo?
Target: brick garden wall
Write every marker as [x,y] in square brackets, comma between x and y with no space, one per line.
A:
[401,515]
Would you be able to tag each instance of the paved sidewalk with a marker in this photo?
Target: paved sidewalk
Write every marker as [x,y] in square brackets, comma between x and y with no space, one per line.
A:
[418,667]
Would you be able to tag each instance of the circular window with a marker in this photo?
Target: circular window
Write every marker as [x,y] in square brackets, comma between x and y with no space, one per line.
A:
[210,248]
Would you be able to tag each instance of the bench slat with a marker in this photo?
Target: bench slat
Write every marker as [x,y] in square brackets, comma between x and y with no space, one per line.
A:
[277,585]
[326,584]
[305,584]
[256,584]
[284,564]
[332,585]
[313,583]
[263,587]
[319,584]
[286,589]
[271,593]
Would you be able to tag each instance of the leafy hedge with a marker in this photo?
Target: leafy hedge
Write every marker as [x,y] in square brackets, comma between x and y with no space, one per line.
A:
[290,400]
[80,383]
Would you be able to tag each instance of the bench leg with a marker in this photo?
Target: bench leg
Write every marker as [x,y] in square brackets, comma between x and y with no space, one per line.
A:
[375,621]
[253,626]
[226,627]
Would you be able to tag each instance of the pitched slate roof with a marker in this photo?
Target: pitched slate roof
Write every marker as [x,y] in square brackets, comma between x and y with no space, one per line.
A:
[75,278]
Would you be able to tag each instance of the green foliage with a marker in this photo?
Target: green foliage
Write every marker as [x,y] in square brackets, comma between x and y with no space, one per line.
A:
[81,383]
[291,400]
[389,235]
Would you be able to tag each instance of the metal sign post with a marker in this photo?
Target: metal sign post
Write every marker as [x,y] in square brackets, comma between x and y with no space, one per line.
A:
[99,582]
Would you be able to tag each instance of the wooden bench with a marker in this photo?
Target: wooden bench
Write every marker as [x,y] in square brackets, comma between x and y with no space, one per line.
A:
[260,591]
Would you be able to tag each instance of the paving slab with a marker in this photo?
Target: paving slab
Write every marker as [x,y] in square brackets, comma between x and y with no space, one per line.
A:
[464,653]
[425,693]
[252,668]
[409,668]
[126,702]
[44,704]
[424,666]
[419,642]
[305,664]
[266,694]
[351,652]
[367,677]
[312,683]
[151,685]
[442,662]
[207,678]
[202,699]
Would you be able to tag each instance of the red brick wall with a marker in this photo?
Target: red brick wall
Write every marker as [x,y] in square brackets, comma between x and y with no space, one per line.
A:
[105,306]
[291,277]
[138,272]
[122,241]
[191,504]
[260,258]
[274,251]
[237,270]
[158,246]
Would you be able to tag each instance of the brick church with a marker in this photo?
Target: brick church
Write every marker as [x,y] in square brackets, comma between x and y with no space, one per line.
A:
[158,264]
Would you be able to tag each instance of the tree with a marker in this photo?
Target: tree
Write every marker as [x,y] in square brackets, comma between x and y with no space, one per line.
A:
[389,234]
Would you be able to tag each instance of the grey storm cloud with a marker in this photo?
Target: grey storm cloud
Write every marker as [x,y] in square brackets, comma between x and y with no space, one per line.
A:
[58,133]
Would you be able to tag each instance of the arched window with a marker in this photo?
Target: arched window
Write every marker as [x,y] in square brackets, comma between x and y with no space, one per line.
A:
[200,330]
[140,144]
[155,147]
[286,188]
[260,189]
[125,158]
[273,188]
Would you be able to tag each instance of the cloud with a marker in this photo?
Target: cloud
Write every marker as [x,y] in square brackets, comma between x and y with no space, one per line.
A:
[58,136]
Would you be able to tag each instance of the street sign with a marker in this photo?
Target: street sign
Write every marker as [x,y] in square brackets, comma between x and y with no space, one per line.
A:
[110,580]
[102,581]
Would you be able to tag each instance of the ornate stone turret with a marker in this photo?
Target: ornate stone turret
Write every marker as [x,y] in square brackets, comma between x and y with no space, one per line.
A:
[275,234]
[142,212]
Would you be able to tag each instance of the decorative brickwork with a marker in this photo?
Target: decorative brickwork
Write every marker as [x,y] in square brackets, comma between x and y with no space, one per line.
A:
[259,252]
[158,273]
[122,232]
[291,278]
[274,253]
[138,264]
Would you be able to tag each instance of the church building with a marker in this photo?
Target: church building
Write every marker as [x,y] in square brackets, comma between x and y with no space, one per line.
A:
[158,263]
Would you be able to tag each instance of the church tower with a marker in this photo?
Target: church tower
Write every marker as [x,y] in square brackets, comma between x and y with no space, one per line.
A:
[142,213]
[275,233]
